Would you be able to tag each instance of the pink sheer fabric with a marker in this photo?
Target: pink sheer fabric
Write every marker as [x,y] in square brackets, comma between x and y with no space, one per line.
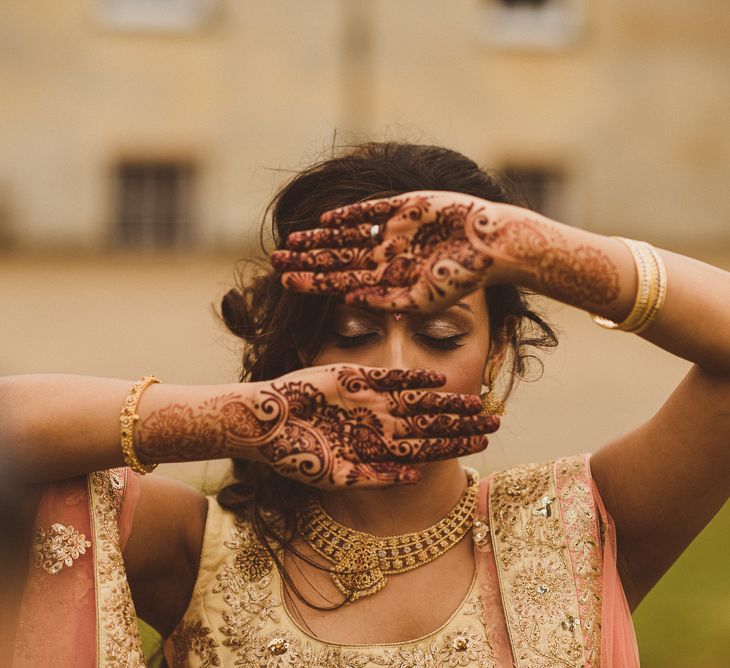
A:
[58,613]
[489,593]
[618,639]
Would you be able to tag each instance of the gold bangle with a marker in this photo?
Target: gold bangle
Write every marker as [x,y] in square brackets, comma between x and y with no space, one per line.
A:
[652,282]
[127,418]
[658,302]
[646,291]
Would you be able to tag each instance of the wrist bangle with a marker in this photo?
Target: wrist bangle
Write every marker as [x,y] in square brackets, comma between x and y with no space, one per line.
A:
[127,418]
[661,288]
[651,290]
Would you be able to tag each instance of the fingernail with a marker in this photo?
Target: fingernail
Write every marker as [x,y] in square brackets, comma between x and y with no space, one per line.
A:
[278,257]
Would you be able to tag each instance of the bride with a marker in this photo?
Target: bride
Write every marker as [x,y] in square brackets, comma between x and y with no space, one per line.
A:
[352,535]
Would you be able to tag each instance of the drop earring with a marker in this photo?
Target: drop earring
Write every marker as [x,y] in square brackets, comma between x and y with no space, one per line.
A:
[491,404]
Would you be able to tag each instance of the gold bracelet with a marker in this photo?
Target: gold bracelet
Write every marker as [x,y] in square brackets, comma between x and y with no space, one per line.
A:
[658,302]
[647,291]
[652,286]
[127,418]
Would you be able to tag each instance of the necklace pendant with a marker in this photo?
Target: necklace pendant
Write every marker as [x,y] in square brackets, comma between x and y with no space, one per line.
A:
[357,573]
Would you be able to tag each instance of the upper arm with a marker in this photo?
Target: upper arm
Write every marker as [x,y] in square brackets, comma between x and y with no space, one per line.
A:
[162,554]
[664,481]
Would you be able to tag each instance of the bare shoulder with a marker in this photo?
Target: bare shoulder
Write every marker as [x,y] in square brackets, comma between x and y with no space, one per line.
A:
[163,551]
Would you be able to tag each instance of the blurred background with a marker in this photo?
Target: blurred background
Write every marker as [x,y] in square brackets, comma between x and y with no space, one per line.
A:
[142,139]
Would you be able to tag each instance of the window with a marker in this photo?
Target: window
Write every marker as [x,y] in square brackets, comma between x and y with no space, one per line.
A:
[156,15]
[542,187]
[532,24]
[154,201]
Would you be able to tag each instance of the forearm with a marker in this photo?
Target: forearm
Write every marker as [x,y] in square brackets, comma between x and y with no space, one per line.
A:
[597,273]
[55,426]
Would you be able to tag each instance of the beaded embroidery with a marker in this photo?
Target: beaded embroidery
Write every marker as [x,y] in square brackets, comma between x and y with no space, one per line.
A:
[119,642]
[57,547]
[547,562]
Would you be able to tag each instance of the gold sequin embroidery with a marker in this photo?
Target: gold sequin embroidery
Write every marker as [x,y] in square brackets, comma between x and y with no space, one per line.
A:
[197,639]
[534,565]
[57,547]
[119,641]
[583,542]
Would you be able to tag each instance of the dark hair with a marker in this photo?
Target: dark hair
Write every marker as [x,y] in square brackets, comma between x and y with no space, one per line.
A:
[278,326]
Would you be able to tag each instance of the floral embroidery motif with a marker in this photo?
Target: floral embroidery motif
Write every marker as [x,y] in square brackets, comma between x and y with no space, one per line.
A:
[538,540]
[464,646]
[540,592]
[249,598]
[58,547]
[194,638]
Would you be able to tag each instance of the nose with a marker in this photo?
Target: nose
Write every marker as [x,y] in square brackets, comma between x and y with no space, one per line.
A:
[399,352]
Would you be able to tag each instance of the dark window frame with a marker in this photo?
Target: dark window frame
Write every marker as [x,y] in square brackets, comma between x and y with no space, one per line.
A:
[154,203]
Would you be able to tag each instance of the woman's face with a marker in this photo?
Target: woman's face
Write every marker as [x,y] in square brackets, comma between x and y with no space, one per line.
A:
[454,341]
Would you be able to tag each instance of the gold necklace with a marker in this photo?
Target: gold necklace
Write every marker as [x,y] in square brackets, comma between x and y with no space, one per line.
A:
[362,560]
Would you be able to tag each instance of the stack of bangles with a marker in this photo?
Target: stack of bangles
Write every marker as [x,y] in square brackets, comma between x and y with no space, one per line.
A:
[652,290]
[127,418]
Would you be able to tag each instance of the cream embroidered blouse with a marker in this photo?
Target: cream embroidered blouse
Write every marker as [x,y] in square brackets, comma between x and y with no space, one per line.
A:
[546,591]
[236,617]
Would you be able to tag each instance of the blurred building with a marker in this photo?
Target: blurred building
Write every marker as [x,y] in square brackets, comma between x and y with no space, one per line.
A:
[138,124]
[141,141]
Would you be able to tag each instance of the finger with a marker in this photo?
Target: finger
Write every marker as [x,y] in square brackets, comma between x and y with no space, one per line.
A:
[405,379]
[413,402]
[355,379]
[436,449]
[449,425]
[324,259]
[380,474]
[329,283]
[340,237]
[371,211]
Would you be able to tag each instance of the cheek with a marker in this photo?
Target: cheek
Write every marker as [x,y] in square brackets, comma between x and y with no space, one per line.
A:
[331,354]
[464,368]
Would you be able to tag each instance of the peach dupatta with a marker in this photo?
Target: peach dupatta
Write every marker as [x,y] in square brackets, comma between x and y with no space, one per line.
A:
[76,609]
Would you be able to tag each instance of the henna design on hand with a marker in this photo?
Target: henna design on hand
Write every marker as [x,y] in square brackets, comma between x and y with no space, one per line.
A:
[333,426]
[435,247]
[584,274]
[217,428]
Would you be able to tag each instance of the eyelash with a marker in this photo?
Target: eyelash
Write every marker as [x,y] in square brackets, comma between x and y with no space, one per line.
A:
[446,343]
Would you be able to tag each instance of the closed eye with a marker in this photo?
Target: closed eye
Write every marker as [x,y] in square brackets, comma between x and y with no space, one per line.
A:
[353,341]
[442,343]
[438,342]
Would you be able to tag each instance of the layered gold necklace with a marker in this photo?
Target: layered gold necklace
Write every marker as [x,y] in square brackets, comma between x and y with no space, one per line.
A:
[361,561]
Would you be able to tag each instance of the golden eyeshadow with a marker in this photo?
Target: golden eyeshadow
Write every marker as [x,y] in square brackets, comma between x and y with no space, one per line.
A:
[441,329]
